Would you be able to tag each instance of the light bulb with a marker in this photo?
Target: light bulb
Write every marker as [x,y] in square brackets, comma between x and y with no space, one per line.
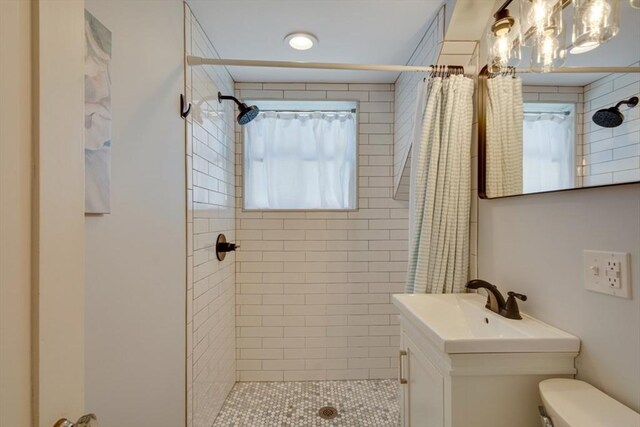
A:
[502,48]
[548,48]
[539,15]
[503,39]
[596,15]
[540,18]
[547,54]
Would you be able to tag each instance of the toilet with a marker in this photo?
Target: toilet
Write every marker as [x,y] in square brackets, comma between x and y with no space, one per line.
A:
[574,403]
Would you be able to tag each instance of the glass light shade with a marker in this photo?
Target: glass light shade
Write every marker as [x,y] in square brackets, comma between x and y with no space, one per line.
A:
[594,22]
[540,18]
[548,53]
[635,3]
[504,48]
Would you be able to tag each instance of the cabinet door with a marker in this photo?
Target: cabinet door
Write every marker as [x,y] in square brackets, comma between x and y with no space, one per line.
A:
[423,394]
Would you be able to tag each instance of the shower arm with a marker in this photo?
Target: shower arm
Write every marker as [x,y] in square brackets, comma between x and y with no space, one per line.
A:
[222,97]
[631,102]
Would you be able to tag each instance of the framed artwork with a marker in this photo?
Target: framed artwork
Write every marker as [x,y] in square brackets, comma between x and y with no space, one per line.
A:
[97,117]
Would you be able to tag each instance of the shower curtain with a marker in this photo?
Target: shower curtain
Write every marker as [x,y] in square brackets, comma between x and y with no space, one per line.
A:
[548,147]
[300,160]
[504,136]
[441,188]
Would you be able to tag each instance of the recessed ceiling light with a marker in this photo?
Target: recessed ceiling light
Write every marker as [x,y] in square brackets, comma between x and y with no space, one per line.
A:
[301,41]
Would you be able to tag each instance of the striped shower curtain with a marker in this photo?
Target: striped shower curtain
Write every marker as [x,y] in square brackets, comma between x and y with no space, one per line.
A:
[441,188]
[504,172]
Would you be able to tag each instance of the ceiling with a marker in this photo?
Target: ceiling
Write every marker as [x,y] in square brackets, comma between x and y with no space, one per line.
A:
[350,31]
[622,50]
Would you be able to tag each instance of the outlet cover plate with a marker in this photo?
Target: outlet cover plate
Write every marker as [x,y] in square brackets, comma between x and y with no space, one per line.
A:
[607,273]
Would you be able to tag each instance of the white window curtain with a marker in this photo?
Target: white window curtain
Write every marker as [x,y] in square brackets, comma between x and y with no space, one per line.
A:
[441,183]
[504,136]
[548,152]
[300,160]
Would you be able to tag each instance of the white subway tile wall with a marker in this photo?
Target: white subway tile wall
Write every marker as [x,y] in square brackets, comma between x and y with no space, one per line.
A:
[210,145]
[314,287]
[406,95]
[612,155]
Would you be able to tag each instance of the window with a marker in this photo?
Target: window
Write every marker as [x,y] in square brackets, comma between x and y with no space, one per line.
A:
[301,155]
[549,146]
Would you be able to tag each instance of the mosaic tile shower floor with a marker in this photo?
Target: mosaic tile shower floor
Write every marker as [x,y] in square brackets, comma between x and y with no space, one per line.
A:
[367,403]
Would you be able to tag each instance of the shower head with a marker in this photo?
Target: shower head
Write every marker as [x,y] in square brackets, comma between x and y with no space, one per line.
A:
[612,117]
[247,112]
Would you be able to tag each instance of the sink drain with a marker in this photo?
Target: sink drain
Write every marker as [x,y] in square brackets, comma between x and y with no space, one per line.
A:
[328,412]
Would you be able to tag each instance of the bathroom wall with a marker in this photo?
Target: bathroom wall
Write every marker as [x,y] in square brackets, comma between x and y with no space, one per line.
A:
[15,216]
[314,287]
[612,155]
[426,53]
[211,358]
[136,255]
[533,244]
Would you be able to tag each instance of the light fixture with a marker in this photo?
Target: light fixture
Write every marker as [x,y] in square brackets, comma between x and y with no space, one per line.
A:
[594,22]
[503,41]
[301,41]
[635,3]
[540,18]
[540,26]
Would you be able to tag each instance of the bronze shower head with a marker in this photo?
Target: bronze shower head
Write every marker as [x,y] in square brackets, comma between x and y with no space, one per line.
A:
[612,117]
[247,112]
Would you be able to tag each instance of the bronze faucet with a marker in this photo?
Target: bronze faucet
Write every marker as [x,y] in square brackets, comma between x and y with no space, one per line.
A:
[495,300]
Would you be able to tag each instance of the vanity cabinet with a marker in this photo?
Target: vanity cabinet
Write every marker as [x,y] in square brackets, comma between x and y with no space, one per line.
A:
[422,390]
[440,386]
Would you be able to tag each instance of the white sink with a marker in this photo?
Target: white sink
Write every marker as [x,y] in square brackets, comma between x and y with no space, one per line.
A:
[459,323]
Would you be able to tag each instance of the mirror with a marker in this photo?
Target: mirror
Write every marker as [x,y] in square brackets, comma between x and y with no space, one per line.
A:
[542,132]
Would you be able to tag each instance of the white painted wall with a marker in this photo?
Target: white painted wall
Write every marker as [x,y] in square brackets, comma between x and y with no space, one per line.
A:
[15,213]
[135,256]
[211,284]
[58,206]
[314,287]
[533,244]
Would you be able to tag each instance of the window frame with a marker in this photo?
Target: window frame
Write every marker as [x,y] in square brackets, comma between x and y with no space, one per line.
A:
[258,100]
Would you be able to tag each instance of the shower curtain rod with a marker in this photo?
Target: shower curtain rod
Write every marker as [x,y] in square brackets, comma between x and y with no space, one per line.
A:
[197,60]
[582,70]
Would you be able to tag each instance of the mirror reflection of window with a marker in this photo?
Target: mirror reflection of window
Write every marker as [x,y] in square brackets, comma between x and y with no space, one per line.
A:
[549,146]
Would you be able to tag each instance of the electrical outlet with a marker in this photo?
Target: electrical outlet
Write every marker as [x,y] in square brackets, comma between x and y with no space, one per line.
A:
[607,273]
[613,273]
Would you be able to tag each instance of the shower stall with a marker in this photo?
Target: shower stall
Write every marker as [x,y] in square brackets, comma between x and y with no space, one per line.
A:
[296,326]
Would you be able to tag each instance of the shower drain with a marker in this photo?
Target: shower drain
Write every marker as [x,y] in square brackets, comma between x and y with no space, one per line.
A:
[328,412]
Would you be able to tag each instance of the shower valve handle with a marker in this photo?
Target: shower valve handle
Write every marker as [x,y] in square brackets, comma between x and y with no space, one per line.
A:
[222,247]
[226,247]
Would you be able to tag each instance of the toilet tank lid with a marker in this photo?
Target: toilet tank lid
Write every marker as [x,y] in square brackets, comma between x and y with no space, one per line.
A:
[578,403]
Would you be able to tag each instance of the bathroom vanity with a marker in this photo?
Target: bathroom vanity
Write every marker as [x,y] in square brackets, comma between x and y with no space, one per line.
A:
[461,365]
